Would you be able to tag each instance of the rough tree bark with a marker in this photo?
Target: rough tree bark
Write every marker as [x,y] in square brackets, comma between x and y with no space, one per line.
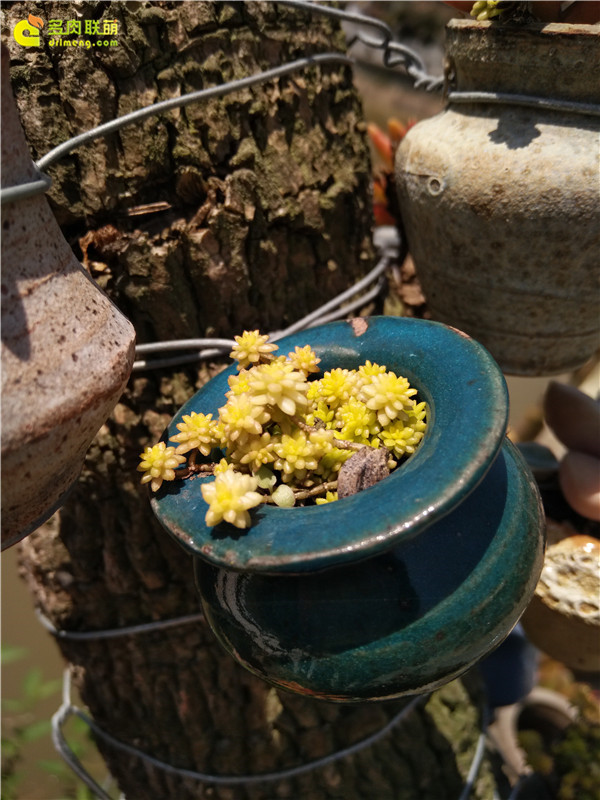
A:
[243,212]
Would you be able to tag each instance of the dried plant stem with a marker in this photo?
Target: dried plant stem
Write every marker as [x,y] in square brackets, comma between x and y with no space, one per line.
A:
[341,444]
[322,488]
[194,468]
[303,494]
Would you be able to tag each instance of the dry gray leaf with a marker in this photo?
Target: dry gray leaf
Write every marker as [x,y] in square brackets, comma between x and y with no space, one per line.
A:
[365,468]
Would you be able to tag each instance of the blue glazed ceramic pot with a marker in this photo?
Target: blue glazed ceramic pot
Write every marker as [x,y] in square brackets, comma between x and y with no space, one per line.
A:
[403,586]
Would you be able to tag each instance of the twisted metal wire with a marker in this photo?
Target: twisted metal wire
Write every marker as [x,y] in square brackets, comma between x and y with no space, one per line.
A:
[10,194]
[185,100]
[394,54]
[113,633]
[334,309]
[67,709]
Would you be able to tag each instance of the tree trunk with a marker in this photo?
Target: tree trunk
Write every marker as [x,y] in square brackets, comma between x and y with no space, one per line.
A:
[243,212]
[247,210]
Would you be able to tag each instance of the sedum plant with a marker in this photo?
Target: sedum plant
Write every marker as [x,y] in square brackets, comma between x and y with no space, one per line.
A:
[287,436]
[488,9]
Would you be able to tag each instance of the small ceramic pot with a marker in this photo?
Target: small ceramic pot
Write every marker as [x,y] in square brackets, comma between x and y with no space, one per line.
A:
[67,351]
[499,200]
[403,586]
[543,711]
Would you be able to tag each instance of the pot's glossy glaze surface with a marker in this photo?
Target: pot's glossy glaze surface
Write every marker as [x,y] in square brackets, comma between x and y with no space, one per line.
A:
[467,416]
[403,622]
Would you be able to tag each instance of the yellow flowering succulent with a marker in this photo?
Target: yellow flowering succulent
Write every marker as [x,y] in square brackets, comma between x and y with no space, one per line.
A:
[400,437]
[331,463]
[278,384]
[330,497]
[238,384]
[229,497]
[323,440]
[388,395]
[320,413]
[197,431]
[296,455]
[335,387]
[285,438]
[254,451]
[242,417]
[486,9]
[158,463]
[368,370]
[222,466]
[250,348]
[356,422]
[304,359]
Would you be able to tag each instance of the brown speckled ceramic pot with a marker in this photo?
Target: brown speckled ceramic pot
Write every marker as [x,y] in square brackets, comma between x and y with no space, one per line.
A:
[66,350]
[500,201]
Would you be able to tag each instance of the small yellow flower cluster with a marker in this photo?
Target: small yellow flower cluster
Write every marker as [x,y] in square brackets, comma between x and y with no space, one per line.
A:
[279,386]
[196,432]
[486,9]
[330,497]
[297,454]
[229,497]
[369,406]
[388,395]
[158,463]
[304,359]
[335,387]
[282,433]
[250,348]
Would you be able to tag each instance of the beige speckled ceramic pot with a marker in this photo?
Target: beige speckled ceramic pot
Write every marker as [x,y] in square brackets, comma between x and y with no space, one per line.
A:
[66,350]
[563,618]
[501,201]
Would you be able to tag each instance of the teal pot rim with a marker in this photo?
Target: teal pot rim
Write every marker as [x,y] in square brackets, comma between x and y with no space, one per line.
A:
[467,404]
[403,622]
